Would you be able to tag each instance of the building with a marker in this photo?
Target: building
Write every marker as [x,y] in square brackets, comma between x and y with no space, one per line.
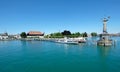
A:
[17,36]
[35,34]
[3,36]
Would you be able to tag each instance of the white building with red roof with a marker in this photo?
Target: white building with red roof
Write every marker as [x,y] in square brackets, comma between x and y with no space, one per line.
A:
[35,34]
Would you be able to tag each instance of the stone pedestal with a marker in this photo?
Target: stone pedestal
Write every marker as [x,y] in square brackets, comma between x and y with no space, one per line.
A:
[104,40]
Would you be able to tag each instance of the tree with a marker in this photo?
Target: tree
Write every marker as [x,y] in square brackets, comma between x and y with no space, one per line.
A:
[77,34]
[93,34]
[57,34]
[65,32]
[23,35]
[51,34]
[85,34]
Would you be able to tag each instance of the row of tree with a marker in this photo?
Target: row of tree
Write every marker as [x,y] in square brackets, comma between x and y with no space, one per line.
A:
[69,34]
[62,34]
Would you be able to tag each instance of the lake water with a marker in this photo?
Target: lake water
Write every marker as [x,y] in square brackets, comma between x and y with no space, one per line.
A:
[43,56]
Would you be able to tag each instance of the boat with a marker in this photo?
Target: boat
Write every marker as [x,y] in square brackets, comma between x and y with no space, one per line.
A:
[80,39]
[66,40]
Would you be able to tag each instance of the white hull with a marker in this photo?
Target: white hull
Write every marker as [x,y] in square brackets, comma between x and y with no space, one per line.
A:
[71,40]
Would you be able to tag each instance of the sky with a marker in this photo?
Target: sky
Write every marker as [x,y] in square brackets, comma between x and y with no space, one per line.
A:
[50,16]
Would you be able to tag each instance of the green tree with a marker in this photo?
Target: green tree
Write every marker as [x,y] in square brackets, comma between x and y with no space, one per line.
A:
[51,34]
[77,34]
[65,32]
[85,34]
[23,35]
[93,34]
[57,34]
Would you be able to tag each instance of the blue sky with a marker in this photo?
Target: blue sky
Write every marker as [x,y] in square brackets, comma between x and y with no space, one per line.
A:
[48,16]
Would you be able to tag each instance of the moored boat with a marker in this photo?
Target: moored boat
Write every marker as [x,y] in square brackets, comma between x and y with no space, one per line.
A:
[66,40]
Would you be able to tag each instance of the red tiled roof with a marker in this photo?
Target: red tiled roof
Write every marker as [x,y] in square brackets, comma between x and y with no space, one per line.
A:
[35,33]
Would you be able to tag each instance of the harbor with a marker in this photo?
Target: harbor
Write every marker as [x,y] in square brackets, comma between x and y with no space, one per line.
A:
[59,36]
[27,56]
[60,52]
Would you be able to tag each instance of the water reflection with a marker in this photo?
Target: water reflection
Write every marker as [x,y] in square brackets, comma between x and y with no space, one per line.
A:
[69,47]
[82,44]
[31,44]
[103,56]
[23,44]
[103,51]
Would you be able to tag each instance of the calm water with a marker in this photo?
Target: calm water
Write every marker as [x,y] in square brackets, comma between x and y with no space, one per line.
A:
[41,56]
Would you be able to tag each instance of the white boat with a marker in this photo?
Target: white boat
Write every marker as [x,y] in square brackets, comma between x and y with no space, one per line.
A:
[66,40]
[80,39]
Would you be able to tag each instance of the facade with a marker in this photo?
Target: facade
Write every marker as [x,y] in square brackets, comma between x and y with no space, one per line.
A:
[3,36]
[35,34]
[17,36]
